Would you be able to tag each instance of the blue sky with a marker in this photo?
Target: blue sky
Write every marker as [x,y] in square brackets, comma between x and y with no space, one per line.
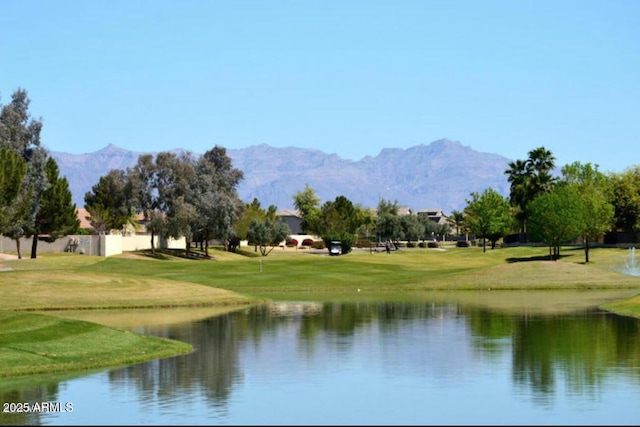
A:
[344,77]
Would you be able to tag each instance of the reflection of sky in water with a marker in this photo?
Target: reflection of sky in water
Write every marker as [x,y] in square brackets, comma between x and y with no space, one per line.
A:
[408,371]
[419,373]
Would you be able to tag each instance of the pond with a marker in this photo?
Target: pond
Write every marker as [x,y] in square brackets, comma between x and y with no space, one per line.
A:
[367,362]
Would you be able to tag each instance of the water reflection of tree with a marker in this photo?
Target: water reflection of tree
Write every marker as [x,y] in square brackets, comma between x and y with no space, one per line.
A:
[43,393]
[578,349]
[212,367]
[545,349]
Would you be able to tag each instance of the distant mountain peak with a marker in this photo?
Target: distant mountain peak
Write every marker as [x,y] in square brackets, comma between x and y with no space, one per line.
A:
[112,149]
[441,174]
[446,142]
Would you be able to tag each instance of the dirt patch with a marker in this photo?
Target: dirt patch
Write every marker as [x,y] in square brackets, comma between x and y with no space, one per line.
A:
[131,256]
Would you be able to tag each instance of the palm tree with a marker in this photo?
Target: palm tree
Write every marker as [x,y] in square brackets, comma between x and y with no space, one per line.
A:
[540,164]
[456,219]
[541,159]
[518,177]
[528,179]
[517,173]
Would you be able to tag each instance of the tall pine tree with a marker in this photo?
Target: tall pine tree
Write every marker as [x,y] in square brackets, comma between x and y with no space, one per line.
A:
[20,133]
[57,216]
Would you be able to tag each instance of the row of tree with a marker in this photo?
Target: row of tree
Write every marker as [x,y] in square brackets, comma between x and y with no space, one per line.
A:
[580,203]
[178,195]
[345,221]
[34,200]
[183,195]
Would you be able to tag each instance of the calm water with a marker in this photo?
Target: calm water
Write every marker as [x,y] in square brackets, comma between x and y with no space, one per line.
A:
[368,363]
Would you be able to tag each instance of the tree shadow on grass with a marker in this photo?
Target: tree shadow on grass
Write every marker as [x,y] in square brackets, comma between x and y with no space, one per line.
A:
[534,258]
[166,254]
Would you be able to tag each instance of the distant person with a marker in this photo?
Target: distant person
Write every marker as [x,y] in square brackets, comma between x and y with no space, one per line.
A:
[387,246]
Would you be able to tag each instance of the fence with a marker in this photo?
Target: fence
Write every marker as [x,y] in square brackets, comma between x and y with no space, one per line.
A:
[97,245]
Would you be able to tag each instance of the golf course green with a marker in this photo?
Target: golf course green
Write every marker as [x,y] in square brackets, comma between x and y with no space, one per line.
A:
[42,330]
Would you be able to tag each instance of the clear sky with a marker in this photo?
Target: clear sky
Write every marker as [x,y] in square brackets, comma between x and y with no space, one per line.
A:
[347,77]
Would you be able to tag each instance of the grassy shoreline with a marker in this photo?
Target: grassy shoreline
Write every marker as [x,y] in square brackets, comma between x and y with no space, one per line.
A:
[63,285]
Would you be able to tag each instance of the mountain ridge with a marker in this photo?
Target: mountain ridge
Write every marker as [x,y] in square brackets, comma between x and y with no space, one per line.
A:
[439,175]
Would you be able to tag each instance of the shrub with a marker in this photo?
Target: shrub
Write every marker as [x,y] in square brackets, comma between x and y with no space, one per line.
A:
[307,242]
[463,244]
[364,243]
[319,245]
[432,244]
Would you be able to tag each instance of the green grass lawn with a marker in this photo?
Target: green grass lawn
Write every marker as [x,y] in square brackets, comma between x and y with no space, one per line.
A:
[34,343]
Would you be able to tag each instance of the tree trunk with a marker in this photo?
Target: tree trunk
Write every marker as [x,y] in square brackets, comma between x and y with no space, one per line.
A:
[17,239]
[34,246]
[586,250]
[153,246]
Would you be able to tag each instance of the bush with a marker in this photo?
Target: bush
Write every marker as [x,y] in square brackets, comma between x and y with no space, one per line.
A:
[307,242]
[319,245]
[364,243]
[463,244]
[432,244]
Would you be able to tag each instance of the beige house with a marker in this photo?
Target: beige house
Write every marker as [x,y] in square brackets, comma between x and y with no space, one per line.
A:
[85,222]
[435,215]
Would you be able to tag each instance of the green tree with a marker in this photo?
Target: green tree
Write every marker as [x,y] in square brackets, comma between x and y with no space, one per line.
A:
[308,205]
[430,228]
[215,198]
[557,217]
[20,133]
[111,202]
[594,189]
[388,226]
[250,212]
[366,221]
[387,207]
[625,198]
[412,228]
[144,186]
[13,204]
[174,176]
[339,217]
[57,216]
[488,215]
[18,130]
[456,219]
[267,233]
[529,178]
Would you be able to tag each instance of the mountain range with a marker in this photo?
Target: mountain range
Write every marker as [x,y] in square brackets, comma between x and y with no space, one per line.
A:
[439,175]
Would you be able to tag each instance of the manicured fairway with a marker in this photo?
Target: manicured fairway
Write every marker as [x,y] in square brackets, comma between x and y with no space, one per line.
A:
[34,343]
